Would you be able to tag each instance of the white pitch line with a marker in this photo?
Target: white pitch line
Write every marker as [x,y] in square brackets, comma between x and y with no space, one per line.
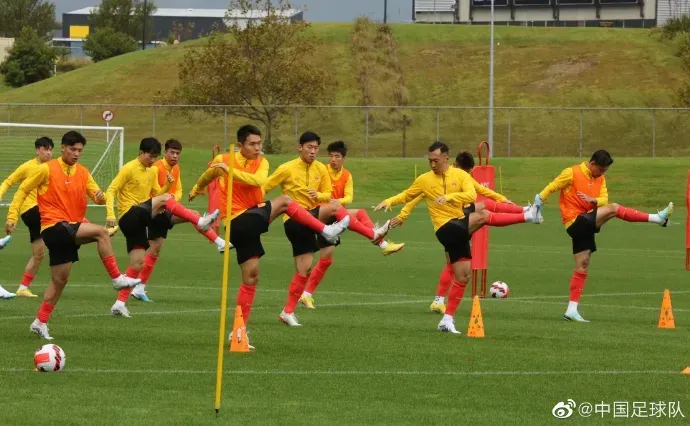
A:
[361,373]
[646,308]
[198,311]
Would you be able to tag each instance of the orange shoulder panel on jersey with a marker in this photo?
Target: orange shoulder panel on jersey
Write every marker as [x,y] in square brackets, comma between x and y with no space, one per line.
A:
[570,203]
[339,185]
[162,173]
[65,198]
[245,196]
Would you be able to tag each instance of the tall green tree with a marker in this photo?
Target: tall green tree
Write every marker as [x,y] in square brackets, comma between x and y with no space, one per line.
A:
[124,16]
[17,14]
[107,43]
[262,68]
[29,60]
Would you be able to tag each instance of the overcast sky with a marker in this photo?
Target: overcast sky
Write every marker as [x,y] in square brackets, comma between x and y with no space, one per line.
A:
[317,10]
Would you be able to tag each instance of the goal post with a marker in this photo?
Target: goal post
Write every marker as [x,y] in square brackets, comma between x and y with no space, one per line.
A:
[103,154]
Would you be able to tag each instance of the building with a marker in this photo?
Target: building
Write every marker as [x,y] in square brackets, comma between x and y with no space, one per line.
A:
[5,44]
[549,13]
[75,24]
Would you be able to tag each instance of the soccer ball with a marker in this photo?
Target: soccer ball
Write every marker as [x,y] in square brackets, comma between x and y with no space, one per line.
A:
[49,358]
[499,289]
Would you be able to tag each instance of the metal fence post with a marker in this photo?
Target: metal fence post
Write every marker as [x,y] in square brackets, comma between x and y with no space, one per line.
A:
[9,118]
[153,112]
[581,131]
[438,124]
[225,129]
[81,115]
[296,124]
[653,132]
[509,132]
[366,135]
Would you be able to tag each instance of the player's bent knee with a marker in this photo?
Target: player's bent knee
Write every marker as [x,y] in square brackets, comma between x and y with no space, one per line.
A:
[40,254]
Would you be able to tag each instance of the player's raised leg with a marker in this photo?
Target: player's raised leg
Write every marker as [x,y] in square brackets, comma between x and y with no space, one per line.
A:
[283,204]
[4,242]
[614,210]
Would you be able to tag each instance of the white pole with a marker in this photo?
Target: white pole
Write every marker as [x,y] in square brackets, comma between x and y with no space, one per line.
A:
[122,148]
[491,86]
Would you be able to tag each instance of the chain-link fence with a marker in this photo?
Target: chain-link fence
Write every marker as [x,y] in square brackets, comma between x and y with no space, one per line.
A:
[397,132]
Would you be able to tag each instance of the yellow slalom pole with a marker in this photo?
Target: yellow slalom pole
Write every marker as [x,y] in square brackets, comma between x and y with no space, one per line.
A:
[224,288]
[500,179]
[415,171]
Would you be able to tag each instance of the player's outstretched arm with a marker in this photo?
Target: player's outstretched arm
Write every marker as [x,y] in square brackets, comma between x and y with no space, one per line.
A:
[17,176]
[254,179]
[488,193]
[277,178]
[562,181]
[414,191]
[94,191]
[466,195]
[216,170]
[112,191]
[39,178]
[405,212]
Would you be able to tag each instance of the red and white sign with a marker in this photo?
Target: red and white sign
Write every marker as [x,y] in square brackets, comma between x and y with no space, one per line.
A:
[107,116]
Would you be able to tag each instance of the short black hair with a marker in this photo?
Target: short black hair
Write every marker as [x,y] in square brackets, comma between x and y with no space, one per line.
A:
[465,161]
[173,144]
[309,137]
[339,147]
[246,130]
[602,158]
[44,142]
[72,138]
[439,145]
[150,146]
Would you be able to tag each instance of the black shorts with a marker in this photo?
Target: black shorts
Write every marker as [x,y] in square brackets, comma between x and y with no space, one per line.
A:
[160,225]
[246,230]
[455,238]
[32,220]
[582,232]
[134,226]
[303,239]
[60,240]
[470,208]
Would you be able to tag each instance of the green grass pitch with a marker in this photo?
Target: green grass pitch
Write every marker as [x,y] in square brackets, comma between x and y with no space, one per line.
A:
[370,352]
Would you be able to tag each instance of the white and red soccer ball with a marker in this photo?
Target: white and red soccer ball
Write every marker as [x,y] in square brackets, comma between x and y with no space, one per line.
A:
[49,358]
[499,290]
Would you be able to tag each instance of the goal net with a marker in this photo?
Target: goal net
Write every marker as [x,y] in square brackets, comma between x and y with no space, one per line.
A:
[103,154]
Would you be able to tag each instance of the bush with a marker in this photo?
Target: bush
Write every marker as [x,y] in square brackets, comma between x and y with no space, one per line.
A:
[675,26]
[29,60]
[107,43]
[67,64]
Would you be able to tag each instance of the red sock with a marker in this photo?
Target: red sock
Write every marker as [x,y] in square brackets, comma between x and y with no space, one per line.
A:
[27,279]
[149,264]
[577,284]
[630,215]
[111,266]
[245,298]
[179,210]
[210,234]
[496,207]
[457,290]
[295,292]
[504,219]
[44,312]
[123,295]
[303,217]
[355,225]
[364,218]
[317,274]
[445,280]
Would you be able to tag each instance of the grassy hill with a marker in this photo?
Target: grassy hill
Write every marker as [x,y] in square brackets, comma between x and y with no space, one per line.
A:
[443,65]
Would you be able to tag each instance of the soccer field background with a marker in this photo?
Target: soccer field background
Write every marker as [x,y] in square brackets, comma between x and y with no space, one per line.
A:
[370,352]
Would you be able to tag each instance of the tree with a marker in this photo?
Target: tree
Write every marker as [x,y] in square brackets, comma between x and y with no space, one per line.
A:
[124,16]
[106,43]
[30,59]
[17,14]
[269,62]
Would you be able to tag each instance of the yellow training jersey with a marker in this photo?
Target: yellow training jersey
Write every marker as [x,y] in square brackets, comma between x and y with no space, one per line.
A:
[17,177]
[296,177]
[455,184]
[64,202]
[133,185]
[479,188]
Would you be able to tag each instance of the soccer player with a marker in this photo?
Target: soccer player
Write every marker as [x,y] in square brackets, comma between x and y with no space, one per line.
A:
[250,214]
[133,187]
[62,186]
[585,208]
[447,190]
[342,192]
[494,202]
[168,172]
[307,182]
[29,212]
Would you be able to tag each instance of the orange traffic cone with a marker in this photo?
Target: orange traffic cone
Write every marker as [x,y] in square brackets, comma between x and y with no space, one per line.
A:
[666,316]
[476,327]
[238,335]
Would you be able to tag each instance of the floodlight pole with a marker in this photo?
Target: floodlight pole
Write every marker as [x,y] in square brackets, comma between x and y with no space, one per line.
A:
[143,36]
[491,85]
[385,11]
